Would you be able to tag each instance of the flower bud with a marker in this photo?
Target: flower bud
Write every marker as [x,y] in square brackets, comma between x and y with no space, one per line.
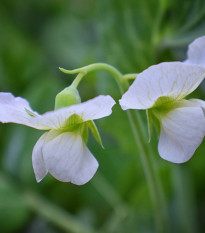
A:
[67,97]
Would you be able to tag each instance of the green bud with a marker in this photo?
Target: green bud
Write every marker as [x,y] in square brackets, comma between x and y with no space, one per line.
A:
[67,97]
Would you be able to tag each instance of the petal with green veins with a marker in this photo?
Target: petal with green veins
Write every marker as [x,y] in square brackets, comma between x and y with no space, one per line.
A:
[170,80]
[17,110]
[95,108]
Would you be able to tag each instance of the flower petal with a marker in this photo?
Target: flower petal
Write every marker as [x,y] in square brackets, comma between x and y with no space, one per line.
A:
[170,79]
[96,108]
[198,102]
[37,159]
[182,131]
[196,52]
[68,159]
[15,110]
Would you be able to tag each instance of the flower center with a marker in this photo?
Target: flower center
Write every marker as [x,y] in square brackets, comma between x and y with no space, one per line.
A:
[73,123]
[162,106]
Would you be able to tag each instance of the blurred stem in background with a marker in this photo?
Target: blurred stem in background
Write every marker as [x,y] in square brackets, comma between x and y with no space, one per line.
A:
[154,183]
[49,211]
[55,214]
[185,200]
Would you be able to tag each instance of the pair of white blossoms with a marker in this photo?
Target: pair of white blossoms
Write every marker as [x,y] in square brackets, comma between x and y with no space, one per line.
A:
[160,89]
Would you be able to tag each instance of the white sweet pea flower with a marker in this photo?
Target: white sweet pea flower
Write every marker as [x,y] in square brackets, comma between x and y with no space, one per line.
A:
[196,52]
[61,151]
[161,90]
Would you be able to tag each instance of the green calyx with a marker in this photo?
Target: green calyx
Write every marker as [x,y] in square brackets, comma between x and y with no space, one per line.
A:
[164,104]
[152,120]
[76,124]
[67,97]
[161,107]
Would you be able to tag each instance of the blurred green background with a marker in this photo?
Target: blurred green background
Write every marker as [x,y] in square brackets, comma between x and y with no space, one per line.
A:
[36,37]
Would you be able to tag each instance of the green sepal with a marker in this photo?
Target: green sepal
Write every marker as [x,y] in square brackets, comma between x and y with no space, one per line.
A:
[160,108]
[156,123]
[149,124]
[164,104]
[76,124]
[84,133]
[72,123]
[67,97]
[152,120]
[93,128]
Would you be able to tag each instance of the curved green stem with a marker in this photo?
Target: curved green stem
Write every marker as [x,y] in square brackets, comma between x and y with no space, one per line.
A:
[77,80]
[140,139]
[129,76]
[97,66]
[152,177]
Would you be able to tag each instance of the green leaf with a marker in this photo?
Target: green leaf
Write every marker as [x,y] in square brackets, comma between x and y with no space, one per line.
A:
[95,132]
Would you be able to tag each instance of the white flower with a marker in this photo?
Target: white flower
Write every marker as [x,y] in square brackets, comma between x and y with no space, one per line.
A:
[161,90]
[61,151]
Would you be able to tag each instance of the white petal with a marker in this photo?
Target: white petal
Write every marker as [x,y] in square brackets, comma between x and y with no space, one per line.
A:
[15,110]
[198,102]
[68,159]
[190,103]
[96,108]
[182,131]
[196,52]
[37,159]
[170,79]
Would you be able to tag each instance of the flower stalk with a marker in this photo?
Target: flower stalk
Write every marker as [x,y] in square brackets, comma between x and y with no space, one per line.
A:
[130,76]
[140,138]
[77,80]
